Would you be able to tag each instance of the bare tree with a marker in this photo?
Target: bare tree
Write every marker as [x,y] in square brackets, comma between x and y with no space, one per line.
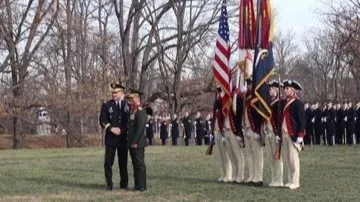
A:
[24,28]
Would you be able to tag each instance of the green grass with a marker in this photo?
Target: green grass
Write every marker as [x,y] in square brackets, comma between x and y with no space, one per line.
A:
[174,174]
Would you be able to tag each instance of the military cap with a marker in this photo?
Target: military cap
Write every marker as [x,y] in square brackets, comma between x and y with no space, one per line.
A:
[116,87]
[292,83]
[134,93]
[149,111]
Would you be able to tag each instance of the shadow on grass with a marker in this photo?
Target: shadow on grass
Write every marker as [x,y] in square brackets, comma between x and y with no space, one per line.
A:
[50,181]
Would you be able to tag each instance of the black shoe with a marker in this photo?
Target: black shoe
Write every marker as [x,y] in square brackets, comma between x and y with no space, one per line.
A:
[109,188]
[141,189]
[251,183]
[258,184]
[124,188]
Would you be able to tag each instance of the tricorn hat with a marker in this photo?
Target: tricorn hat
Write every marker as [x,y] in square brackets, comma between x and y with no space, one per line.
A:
[292,83]
[274,83]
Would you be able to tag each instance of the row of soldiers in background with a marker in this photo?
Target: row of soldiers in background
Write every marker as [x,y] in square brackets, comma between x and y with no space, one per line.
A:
[164,127]
[333,123]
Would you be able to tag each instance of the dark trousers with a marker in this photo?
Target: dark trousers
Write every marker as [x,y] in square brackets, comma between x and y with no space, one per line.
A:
[207,139]
[199,140]
[150,140]
[187,141]
[138,162]
[174,141]
[122,161]
[163,141]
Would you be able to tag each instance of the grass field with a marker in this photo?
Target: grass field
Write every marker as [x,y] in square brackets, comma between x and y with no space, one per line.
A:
[174,174]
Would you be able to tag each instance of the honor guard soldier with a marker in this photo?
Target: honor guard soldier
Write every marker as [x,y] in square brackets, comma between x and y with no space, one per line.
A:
[174,130]
[293,131]
[317,123]
[219,131]
[357,122]
[350,123]
[137,140]
[187,128]
[272,136]
[200,125]
[339,123]
[254,147]
[114,116]
[330,120]
[309,113]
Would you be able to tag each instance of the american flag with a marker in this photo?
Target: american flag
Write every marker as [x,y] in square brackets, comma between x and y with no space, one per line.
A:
[221,67]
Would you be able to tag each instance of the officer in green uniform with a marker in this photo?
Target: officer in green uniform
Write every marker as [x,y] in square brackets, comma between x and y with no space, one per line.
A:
[137,139]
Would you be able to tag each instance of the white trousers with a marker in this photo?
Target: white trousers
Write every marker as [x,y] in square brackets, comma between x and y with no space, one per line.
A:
[276,165]
[291,159]
[236,156]
[223,158]
[254,156]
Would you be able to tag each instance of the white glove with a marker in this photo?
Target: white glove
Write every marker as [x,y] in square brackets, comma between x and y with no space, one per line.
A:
[278,139]
[238,138]
[243,89]
[325,119]
[322,120]
[299,140]
[147,125]
[313,120]
[256,136]
[345,119]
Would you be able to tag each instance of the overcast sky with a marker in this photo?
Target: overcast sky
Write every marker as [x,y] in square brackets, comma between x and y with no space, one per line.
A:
[298,15]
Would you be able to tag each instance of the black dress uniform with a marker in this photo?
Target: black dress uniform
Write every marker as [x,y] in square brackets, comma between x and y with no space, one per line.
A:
[357,123]
[115,114]
[331,128]
[339,125]
[187,129]
[137,125]
[200,125]
[318,125]
[324,124]
[174,131]
[150,131]
[207,135]
[350,124]
[309,129]
[163,132]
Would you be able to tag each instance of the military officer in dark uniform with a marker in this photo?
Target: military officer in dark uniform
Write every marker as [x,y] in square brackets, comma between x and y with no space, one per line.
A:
[150,131]
[187,128]
[330,123]
[357,122]
[207,136]
[137,140]
[163,130]
[339,123]
[324,123]
[174,130]
[350,123]
[317,123]
[200,125]
[309,124]
[114,116]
